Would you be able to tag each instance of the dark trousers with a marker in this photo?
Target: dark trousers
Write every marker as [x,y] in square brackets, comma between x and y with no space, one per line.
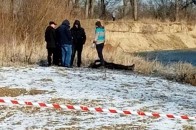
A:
[113,18]
[77,49]
[52,57]
[58,55]
[99,48]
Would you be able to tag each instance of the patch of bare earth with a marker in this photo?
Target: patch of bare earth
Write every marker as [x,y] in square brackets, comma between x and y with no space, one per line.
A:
[14,92]
[186,127]
[61,101]
[121,127]
[36,92]
[29,109]
[85,102]
[7,115]
[112,127]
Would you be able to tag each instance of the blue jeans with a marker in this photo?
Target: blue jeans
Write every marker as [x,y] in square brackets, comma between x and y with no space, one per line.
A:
[66,55]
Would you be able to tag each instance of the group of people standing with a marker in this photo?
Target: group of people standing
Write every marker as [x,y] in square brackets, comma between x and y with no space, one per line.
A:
[63,42]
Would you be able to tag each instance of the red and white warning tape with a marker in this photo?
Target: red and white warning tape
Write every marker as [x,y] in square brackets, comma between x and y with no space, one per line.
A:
[100,110]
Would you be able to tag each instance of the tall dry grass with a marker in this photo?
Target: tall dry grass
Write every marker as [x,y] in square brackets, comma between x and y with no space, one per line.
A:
[22,33]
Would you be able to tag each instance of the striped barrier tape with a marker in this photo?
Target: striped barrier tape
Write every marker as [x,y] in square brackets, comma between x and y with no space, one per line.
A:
[98,109]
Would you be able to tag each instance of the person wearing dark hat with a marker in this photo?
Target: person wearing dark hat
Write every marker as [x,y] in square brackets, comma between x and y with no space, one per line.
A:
[65,40]
[79,39]
[99,40]
[51,40]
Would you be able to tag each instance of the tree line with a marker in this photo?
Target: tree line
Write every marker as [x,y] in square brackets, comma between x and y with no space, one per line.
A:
[173,10]
[135,9]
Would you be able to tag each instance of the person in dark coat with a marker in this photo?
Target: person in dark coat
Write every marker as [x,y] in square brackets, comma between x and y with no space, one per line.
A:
[79,39]
[58,52]
[65,41]
[51,40]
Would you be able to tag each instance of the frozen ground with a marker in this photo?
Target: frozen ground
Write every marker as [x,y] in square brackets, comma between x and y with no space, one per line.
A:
[116,89]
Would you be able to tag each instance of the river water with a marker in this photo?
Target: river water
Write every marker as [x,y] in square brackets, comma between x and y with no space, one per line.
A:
[167,57]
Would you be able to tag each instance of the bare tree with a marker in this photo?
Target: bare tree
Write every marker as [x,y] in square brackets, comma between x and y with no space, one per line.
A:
[125,3]
[76,2]
[176,10]
[67,3]
[186,9]
[87,9]
[134,4]
[103,8]
[92,5]
[12,9]
[162,8]
[135,11]
[72,3]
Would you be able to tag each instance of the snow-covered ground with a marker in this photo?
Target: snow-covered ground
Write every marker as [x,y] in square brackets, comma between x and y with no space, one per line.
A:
[104,88]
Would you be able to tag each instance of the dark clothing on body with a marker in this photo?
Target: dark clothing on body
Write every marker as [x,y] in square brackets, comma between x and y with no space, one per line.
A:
[97,64]
[64,34]
[50,37]
[194,1]
[51,40]
[77,49]
[79,39]
[99,48]
[52,56]
[58,55]
[65,42]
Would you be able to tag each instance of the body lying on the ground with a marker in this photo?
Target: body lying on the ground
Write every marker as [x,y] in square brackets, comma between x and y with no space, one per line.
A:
[108,65]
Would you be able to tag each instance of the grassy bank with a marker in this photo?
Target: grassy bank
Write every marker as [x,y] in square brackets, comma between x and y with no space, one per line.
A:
[180,72]
[21,55]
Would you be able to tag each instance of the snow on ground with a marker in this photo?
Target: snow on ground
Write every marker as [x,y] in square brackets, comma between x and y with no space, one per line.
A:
[104,88]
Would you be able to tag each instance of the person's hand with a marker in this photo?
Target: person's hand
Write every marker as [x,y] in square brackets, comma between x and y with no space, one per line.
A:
[93,45]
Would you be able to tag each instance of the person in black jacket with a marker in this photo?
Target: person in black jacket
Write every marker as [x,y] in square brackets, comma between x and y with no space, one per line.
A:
[64,39]
[79,39]
[50,38]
